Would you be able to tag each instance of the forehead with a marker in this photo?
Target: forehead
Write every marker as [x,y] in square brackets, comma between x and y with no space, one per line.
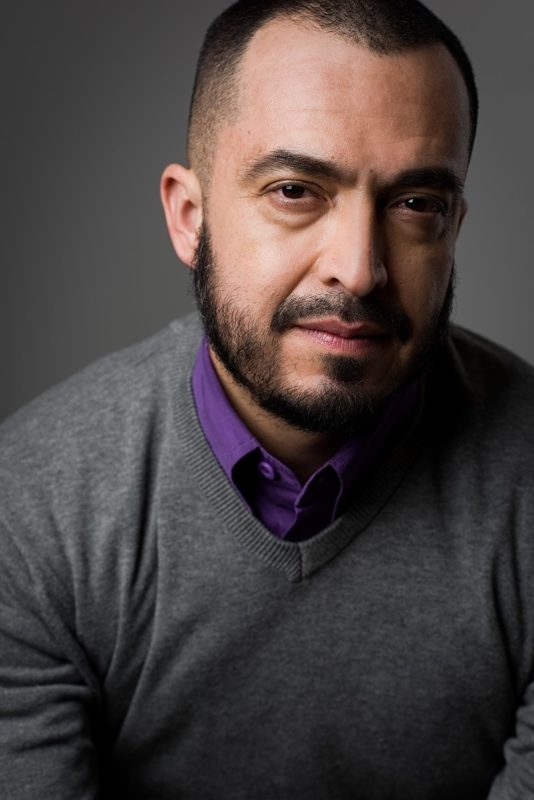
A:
[302,88]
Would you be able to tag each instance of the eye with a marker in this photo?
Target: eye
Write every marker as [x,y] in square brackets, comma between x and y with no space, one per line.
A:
[423,205]
[298,198]
[298,194]
[294,191]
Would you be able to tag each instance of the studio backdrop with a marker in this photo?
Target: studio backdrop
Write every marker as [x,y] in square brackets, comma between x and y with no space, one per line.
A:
[94,105]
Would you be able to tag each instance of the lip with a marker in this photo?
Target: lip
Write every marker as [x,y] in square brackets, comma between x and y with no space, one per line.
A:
[357,340]
[343,330]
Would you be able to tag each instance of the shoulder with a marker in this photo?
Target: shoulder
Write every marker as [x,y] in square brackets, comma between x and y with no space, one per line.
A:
[88,436]
[488,364]
[499,383]
[79,469]
[114,390]
[482,396]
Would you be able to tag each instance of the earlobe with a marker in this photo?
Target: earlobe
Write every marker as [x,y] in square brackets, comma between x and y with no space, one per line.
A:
[181,196]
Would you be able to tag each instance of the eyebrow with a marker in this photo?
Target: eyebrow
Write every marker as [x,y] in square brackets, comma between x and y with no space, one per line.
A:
[431,177]
[299,162]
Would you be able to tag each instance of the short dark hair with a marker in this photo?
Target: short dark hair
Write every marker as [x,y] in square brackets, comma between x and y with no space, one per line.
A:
[383,26]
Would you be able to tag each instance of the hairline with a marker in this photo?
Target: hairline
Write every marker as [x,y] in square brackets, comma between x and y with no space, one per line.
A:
[305,18]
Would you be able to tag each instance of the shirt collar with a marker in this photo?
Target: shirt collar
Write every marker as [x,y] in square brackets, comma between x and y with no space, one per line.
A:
[226,433]
[231,441]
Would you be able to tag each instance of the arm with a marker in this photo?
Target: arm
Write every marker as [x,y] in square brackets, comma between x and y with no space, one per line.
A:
[516,781]
[48,697]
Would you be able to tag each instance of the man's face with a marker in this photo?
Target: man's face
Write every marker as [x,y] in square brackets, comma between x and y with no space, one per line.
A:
[325,265]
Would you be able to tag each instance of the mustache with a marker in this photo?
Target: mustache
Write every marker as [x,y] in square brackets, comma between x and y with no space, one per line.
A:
[345,307]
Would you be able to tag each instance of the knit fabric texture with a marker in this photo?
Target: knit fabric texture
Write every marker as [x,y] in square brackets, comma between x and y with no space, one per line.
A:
[156,641]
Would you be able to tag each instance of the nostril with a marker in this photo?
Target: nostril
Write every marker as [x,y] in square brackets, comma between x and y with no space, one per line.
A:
[381,274]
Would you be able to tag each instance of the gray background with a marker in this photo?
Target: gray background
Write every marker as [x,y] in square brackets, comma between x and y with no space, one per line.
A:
[94,103]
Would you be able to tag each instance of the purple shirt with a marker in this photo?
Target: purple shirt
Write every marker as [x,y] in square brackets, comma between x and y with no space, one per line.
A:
[289,509]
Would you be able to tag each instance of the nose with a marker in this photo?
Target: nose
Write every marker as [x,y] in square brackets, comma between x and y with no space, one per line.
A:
[352,256]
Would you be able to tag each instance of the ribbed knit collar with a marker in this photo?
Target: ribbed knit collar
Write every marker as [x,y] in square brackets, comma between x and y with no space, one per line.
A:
[270,488]
[196,462]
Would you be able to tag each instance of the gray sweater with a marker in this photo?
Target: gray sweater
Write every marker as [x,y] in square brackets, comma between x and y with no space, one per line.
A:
[156,642]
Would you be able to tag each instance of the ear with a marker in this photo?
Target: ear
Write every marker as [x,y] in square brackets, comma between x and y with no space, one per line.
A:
[181,196]
[463,212]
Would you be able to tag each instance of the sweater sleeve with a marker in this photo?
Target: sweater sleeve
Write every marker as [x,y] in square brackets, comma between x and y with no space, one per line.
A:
[46,701]
[516,781]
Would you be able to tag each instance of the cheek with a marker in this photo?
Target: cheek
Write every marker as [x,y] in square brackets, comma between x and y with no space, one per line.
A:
[419,274]
[421,292]
[257,268]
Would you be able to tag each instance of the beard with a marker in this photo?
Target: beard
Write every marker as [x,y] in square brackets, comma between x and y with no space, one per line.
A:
[341,404]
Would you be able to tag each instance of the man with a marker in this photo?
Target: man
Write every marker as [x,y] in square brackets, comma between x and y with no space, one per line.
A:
[291,559]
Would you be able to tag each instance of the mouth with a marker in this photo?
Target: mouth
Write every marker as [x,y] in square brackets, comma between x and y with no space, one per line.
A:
[350,338]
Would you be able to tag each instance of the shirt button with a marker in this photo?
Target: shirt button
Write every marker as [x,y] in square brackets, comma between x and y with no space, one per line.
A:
[267,470]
